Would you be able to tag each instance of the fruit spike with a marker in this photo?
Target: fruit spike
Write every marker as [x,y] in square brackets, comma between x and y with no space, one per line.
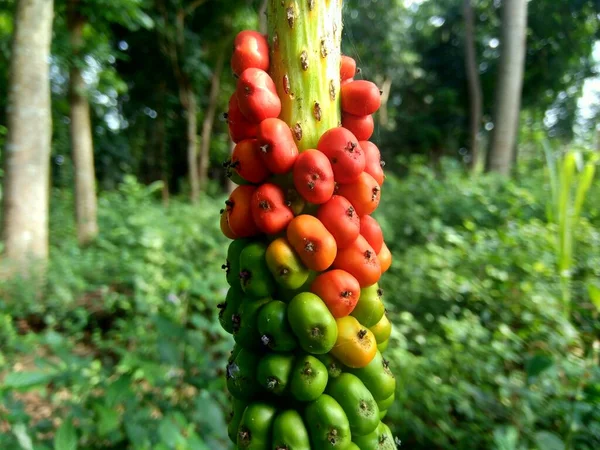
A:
[305,37]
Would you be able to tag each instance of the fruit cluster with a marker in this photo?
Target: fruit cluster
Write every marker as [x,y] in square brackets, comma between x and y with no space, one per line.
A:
[304,305]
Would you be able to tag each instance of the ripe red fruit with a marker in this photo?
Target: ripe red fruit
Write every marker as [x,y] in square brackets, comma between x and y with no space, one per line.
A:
[257,95]
[364,194]
[348,68]
[250,50]
[360,98]
[346,157]
[341,220]
[277,145]
[374,165]
[239,214]
[361,126]
[246,161]
[385,258]
[313,176]
[360,261]
[313,243]
[269,209]
[371,231]
[339,290]
[225,226]
[240,128]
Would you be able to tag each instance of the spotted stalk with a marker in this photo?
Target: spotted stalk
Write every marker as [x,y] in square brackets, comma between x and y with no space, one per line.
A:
[305,38]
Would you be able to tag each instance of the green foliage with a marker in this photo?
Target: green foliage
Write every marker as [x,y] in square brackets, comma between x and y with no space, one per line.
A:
[126,340]
[485,356]
[126,348]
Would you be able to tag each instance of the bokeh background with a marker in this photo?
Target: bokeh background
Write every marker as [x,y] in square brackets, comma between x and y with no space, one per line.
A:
[495,287]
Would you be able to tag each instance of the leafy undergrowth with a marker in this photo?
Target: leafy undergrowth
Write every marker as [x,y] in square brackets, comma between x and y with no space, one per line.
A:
[124,349]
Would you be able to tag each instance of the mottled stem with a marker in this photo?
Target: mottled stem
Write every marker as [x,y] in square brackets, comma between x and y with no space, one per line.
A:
[305,38]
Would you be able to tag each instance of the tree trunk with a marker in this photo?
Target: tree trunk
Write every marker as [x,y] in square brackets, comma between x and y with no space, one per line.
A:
[81,137]
[474,83]
[161,142]
[209,119]
[386,89]
[27,158]
[509,86]
[190,106]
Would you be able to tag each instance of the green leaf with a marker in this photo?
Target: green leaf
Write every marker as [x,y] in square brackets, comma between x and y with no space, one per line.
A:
[506,438]
[537,364]
[169,432]
[108,420]
[594,293]
[584,185]
[24,380]
[66,437]
[548,441]
[20,432]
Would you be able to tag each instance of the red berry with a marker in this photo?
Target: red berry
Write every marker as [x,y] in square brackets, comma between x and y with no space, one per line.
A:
[344,153]
[371,231]
[269,209]
[374,165]
[257,95]
[240,128]
[364,194]
[250,50]
[361,126]
[313,177]
[348,68]
[339,290]
[278,149]
[360,98]
[246,161]
[239,214]
[360,261]
[341,220]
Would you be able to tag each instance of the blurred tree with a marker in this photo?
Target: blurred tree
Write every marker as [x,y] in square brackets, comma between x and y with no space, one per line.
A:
[85,20]
[474,82]
[209,119]
[172,34]
[509,86]
[25,194]
[82,145]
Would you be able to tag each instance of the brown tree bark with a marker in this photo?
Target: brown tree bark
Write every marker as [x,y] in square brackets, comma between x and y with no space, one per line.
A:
[474,84]
[27,154]
[161,142]
[82,145]
[190,106]
[386,88]
[509,86]
[172,43]
[209,119]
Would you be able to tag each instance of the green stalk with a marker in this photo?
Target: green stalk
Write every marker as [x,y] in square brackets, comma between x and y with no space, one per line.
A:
[305,39]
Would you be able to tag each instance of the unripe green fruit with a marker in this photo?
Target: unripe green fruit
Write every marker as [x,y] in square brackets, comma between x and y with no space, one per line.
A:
[247,335]
[228,315]
[254,432]
[273,327]
[232,265]
[255,278]
[358,403]
[241,374]
[312,323]
[309,379]
[274,371]
[370,309]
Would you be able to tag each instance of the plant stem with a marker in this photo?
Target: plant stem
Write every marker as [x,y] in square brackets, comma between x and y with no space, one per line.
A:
[305,39]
